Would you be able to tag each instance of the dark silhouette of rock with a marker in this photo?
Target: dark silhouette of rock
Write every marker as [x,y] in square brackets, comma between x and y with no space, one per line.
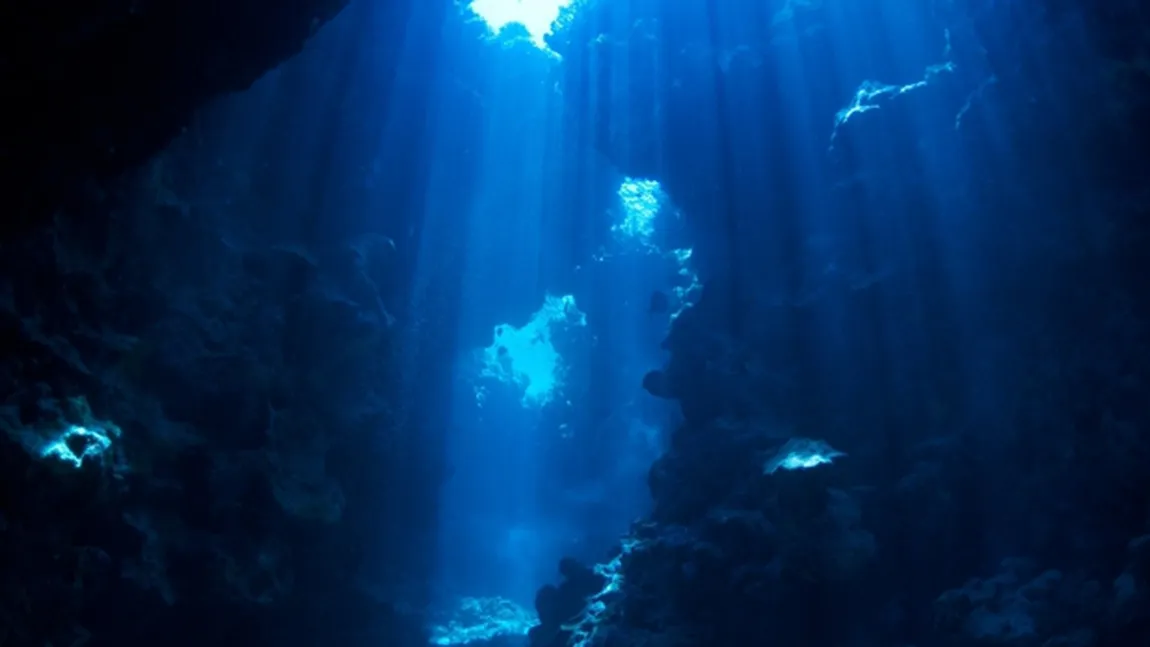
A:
[96,88]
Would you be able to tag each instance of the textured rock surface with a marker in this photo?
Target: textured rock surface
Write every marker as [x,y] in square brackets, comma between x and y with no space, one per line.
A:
[1028,442]
[257,443]
[259,482]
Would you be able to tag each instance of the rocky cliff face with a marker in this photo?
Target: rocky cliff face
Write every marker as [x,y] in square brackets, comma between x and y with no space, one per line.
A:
[1014,434]
[201,436]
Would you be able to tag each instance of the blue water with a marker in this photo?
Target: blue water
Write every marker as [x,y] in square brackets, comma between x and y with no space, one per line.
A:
[544,279]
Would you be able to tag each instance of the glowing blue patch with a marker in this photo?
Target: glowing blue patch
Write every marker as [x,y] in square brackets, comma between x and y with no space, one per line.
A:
[642,201]
[687,293]
[527,356]
[78,443]
[536,16]
[585,627]
[872,95]
[802,454]
[69,434]
[482,620]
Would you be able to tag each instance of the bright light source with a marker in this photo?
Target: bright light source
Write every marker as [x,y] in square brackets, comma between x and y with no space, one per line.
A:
[536,16]
[526,356]
[642,200]
[483,620]
[77,444]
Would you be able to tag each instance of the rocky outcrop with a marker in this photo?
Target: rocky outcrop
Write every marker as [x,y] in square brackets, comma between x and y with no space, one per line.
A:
[204,432]
[758,537]
[245,397]
[983,413]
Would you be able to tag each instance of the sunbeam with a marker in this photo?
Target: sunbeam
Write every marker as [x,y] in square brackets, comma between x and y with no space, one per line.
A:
[575,323]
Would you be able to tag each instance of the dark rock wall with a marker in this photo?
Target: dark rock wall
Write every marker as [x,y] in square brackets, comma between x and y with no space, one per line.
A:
[978,347]
[231,313]
[95,88]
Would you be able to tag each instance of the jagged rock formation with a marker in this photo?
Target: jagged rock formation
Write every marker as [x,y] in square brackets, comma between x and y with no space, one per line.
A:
[200,433]
[252,389]
[1025,447]
[558,606]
